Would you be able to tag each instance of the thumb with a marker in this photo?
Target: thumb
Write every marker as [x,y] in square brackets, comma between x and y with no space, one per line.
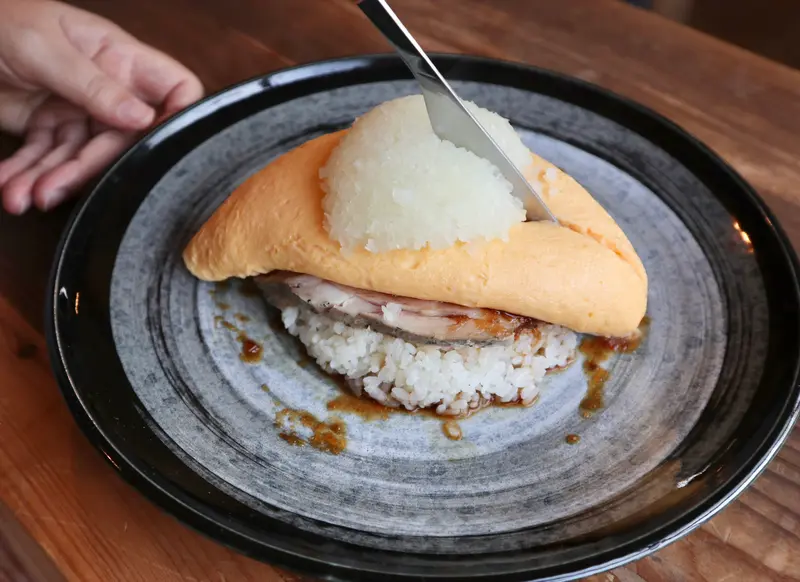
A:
[76,78]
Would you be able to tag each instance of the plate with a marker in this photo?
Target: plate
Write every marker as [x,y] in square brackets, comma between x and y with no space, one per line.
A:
[187,387]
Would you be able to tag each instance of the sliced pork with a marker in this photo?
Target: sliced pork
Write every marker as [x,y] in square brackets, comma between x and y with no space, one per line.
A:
[414,320]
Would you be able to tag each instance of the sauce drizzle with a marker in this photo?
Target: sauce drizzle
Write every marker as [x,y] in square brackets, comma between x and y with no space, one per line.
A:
[597,350]
[328,437]
[366,409]
[251,351]
[292,439]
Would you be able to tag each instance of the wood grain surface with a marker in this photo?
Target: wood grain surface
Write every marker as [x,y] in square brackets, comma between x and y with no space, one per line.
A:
[92,526]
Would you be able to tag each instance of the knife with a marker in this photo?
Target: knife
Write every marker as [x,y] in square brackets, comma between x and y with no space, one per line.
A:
[450,119]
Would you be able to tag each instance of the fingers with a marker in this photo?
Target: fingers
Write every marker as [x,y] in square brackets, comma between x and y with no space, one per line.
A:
[40,140]
[79,80]
[58,184]
[55,112]
[162,80]
[183,95]
[17,107]
[18,191]
[38,143]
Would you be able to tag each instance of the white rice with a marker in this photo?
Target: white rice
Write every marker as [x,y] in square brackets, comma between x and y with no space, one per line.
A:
[452,380]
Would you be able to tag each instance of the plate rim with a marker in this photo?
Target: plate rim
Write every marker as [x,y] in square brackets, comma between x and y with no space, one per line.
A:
[317,70]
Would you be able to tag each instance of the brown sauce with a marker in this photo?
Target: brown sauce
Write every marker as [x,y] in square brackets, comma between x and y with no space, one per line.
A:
[600,349]
[596,380]
[369,409]
[251,351]
[493,324]
[223,306]
[572,439]
[328,437]
[241,317]
[559,369]
[451,430]
[529,326]
[596,351]
[220,321]
[517,404]
[496,323]
[365,408]
[292,439]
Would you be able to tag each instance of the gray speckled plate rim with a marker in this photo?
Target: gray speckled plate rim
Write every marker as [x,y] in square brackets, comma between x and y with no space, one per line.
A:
[213,103]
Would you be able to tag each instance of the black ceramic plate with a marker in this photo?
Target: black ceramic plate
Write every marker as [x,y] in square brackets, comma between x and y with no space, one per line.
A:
[691,418]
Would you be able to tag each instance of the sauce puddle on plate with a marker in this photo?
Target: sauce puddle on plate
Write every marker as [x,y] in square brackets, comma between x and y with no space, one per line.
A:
[328,437]
[366,409]
[370,410]
[598,350]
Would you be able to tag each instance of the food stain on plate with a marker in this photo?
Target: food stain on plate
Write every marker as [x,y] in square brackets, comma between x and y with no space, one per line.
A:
[327,436]
[370,410]
[251,351]
[452,430]
[597,350]
[367,409]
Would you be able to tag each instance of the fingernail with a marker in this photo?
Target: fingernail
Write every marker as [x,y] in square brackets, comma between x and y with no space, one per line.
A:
[20,208]
[53,198]
[133,112]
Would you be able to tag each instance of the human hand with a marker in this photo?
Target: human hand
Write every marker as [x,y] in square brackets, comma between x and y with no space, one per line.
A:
[79,89]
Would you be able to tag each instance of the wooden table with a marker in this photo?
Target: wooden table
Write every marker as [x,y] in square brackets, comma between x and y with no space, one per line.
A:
[86,523]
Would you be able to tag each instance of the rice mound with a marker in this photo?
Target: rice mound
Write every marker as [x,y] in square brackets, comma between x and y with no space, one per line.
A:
[391,183]
[453,381]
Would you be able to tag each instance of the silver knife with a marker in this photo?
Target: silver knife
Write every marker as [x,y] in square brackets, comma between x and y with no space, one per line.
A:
[450,119]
